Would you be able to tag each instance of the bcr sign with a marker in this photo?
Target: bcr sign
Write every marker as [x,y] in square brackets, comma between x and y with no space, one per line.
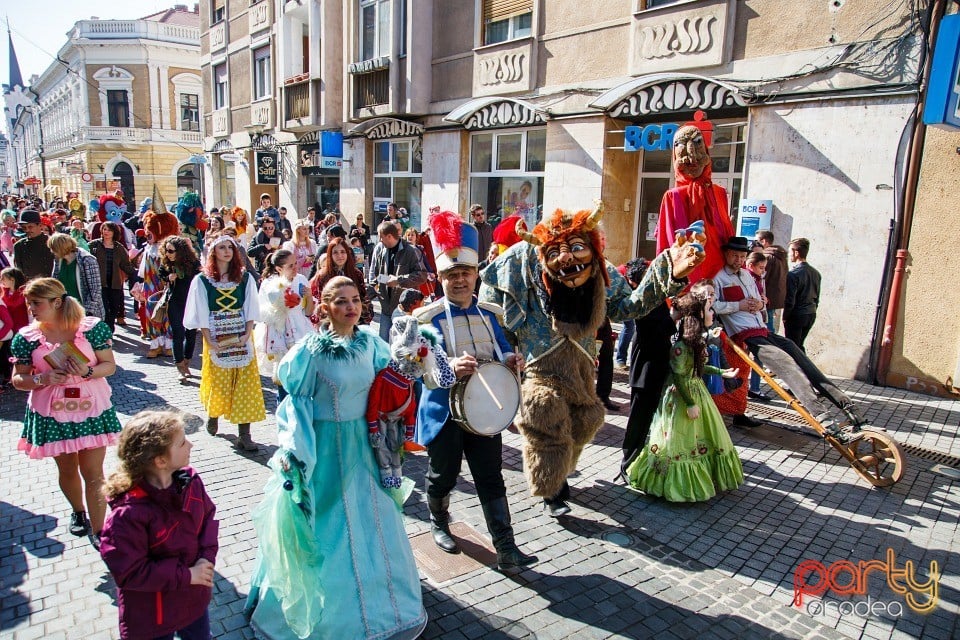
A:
[652,137]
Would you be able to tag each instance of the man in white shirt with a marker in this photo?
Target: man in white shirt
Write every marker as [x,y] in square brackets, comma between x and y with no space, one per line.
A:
[740,307]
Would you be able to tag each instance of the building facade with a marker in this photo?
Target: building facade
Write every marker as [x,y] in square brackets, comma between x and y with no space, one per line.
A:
[121,111]
[524,106]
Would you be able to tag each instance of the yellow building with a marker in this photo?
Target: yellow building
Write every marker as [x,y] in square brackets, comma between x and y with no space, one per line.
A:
[122,112]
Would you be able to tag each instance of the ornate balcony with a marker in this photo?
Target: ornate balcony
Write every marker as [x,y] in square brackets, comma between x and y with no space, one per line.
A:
[371,89]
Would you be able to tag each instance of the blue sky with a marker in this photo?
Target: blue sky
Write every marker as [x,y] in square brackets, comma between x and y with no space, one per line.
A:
[39,28]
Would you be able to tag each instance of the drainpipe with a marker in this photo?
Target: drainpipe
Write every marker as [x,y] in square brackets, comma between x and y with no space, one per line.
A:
[915,155]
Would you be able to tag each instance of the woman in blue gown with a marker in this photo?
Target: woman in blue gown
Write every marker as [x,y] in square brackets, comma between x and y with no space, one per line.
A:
[334,560]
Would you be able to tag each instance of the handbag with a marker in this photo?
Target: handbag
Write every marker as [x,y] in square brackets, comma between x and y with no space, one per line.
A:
[159,302]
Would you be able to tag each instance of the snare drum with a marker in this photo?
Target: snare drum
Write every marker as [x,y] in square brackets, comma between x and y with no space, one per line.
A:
[472,406]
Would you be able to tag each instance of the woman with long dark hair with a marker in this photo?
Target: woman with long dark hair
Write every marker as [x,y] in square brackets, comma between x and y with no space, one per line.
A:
[689,455]
[114,262]
[339,261]
[178,266]
[222,303]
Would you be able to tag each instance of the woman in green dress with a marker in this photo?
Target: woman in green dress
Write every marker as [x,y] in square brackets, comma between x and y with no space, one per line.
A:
[334,561]
[689,455]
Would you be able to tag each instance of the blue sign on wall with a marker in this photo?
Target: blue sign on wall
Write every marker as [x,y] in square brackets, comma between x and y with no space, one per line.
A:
[331,144]
[652,137]
[942,108]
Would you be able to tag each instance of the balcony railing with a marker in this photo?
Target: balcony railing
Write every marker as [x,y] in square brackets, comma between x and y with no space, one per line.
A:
[371,89]
[121,135]
[298,100]
[137,29]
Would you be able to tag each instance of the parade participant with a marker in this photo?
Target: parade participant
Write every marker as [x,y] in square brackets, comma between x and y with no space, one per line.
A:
[79,273]
[334,560]
[340,261]
[695,198]
[241,221]
[222,303]
[113,261]
[160,539]
[394,266]
[158,226]
[70,416]
[193,221]
[689,456]
[303,247]
[738,305]
[31,254]
[178,267]
[555,289]
[471,333]
[286,305]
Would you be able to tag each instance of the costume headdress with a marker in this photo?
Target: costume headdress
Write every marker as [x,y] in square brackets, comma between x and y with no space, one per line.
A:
[455,242]
[505,233]
[158,221]
[563,225]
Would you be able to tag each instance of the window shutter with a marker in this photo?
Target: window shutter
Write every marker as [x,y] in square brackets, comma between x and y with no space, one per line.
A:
[494,10]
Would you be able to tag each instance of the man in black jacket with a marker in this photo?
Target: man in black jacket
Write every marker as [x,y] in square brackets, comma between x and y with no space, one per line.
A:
[649,366]
[803,294]
[395,266]
[31,253]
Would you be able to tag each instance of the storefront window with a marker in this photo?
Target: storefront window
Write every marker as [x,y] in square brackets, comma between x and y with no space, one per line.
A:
[506,173]
[227,184]
[397,169]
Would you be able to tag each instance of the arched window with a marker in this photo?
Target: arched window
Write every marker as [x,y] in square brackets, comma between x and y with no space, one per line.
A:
[124,173]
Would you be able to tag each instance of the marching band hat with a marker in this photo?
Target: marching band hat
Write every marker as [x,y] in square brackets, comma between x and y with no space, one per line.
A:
[455,242]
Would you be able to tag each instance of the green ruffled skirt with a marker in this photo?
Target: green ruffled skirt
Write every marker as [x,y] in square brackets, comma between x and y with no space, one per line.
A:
[686,460]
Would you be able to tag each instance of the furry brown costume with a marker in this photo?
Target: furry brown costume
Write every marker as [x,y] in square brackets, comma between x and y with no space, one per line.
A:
[556,289]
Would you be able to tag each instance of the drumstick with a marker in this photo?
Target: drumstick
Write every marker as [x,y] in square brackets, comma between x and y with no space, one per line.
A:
[486,386]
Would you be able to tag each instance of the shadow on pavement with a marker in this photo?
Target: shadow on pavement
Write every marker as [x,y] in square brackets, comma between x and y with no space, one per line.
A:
[24,533]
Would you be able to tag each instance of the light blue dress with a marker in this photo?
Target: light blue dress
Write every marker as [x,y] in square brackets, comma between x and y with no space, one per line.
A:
[345,569]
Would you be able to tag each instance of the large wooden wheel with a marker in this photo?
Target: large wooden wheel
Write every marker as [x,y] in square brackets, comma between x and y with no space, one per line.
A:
[877,457]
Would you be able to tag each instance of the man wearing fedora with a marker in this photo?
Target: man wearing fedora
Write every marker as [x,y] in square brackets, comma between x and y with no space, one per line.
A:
[740,307]
[31,253]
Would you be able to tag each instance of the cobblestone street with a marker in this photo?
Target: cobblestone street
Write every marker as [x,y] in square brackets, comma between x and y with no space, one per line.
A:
[621,566]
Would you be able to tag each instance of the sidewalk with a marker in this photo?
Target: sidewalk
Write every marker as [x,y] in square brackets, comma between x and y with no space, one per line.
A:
[622,566]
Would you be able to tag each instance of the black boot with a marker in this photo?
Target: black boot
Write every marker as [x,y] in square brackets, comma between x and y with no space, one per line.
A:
[440,523]
[557,505]
[497,515]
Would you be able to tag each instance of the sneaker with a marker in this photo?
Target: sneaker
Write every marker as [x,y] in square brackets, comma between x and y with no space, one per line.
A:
[79,524]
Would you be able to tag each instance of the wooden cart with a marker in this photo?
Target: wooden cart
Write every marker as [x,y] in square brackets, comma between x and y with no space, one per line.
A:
[873,454]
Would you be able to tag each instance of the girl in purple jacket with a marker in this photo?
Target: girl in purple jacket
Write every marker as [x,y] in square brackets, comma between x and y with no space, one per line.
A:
[160,539]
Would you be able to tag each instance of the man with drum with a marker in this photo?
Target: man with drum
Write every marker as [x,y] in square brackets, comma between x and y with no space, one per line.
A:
[471,335]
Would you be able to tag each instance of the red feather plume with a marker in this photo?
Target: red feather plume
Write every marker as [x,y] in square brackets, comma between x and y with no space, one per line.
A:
[446,227]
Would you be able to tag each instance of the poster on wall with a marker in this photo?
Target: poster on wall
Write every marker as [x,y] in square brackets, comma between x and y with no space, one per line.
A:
[520,198]
[266,163]
[754,216]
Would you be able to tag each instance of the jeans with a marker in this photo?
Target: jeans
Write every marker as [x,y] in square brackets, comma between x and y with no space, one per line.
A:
[112,306]
[623,342]
[184,340]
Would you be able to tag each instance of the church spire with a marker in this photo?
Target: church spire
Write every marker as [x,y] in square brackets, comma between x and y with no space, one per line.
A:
[14,76]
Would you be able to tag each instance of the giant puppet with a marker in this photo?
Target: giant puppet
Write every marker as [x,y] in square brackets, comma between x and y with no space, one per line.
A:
[556,289]
[695,198]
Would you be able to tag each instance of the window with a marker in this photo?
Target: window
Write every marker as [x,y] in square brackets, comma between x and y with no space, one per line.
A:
[650,4]
[118,109]
[219,11]
[506,20]
[506,173]
[220,86]
[397,177]
[189,112]
[261,73]
[374,29]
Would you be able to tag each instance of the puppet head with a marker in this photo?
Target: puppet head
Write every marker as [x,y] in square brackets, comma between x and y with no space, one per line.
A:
[75,205]
[189,211]
[110,208]
[690,155]
[160,225]
[145,205]
[411,347]
[505,233]
[570,247]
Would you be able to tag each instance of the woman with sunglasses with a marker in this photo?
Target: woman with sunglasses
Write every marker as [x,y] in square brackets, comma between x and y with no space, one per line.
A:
[178,266]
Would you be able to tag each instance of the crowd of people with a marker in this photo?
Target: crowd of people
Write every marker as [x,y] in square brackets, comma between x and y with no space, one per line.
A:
[288,299]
